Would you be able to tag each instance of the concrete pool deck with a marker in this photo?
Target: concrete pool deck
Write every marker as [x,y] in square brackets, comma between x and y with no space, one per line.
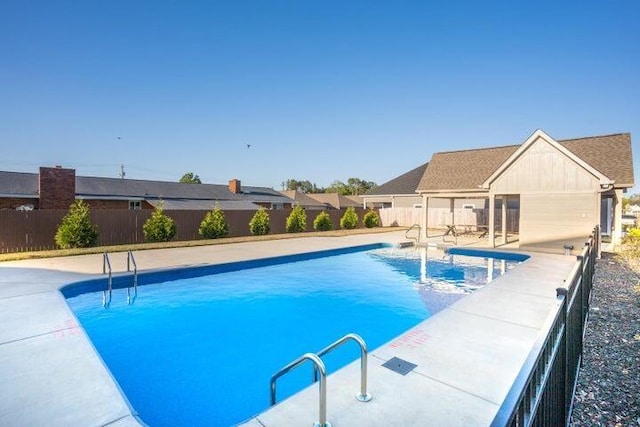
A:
[467,355]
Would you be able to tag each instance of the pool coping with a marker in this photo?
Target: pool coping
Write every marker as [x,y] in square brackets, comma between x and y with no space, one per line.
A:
[51,374]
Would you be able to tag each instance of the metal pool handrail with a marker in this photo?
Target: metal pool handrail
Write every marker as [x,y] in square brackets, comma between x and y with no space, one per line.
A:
[417,238]
[319,365]
[106,266]
[362,396]
[132,260]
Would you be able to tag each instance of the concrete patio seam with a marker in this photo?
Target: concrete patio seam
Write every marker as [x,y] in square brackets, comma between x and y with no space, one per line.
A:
[494,318]
[54,332]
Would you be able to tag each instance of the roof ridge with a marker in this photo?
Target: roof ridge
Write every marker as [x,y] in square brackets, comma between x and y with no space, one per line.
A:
[477,149]
[517,145]
[144,180]
[595,136]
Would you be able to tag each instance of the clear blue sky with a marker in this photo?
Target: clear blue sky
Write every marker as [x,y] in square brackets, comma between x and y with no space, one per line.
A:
[321,90]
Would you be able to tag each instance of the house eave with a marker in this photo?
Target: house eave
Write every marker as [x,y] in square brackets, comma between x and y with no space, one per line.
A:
[92,197]
[18,196]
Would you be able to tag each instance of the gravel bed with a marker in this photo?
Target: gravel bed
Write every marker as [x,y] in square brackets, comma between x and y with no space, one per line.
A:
[608,390]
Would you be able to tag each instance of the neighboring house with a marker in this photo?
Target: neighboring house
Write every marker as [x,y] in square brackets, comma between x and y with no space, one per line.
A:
[57,188]
[336,201]
[304,200]
[562,188]
[261,196]
[632,210]
[400,192]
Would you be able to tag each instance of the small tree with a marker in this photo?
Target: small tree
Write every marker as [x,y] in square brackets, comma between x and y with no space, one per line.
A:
[371,219]
[76,229]
[214,225]
[159,227]
[297,220]
[322,222]
[259,224]
[190,178]
[349,220]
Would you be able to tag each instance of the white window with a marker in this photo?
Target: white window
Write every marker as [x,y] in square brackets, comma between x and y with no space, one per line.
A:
[135,205]
[277,206]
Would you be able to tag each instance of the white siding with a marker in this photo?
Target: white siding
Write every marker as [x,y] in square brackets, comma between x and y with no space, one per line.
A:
[543,168]
[551,220]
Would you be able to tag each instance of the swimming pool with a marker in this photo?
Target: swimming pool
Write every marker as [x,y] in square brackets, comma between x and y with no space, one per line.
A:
[201,351]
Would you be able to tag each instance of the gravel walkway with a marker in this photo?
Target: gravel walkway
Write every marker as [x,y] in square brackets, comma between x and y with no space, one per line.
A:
[608,391]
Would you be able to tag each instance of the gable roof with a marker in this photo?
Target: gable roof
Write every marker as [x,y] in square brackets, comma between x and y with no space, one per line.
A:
[468,169]
[303,199]
[541,135]
[263,195]
[335,200]
[407,183]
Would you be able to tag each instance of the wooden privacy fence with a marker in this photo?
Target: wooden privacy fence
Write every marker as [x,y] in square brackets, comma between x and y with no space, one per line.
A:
[439,217]
[35,230]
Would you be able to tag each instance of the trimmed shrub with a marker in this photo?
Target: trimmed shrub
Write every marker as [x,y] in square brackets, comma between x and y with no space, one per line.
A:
[631,248]
[75,229]
[159,227]
[259,224]
[214,225]
[371,219]
[297,220]
[349,220]
[322,222]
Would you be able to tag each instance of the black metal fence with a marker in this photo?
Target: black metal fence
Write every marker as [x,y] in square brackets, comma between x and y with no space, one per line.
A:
[542,393]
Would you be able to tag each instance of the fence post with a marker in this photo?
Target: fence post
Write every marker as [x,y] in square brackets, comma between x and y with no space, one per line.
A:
[564,294]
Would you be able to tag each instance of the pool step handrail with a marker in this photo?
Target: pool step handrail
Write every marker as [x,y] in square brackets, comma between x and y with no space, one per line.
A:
[362,396]
[106,268]
[319,365]
[416,238]
[131,260]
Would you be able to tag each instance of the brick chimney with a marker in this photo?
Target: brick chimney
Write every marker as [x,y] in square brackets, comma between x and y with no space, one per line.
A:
[57,188]
[234,186]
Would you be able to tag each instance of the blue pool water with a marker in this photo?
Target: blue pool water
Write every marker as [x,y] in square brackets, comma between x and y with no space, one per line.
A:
[201,351]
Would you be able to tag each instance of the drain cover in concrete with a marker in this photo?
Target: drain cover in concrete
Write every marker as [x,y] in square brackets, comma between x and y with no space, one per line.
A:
[399,365]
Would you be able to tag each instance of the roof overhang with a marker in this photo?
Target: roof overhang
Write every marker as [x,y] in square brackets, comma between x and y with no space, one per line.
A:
[604,181]
[456,194]
[18,196]
[90,197]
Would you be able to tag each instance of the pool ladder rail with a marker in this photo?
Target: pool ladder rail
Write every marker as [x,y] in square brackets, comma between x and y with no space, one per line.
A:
[106,269]
[319,367]
[415,238]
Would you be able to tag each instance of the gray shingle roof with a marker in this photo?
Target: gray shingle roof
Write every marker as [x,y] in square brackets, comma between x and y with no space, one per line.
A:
[406,183]
[18,184]
[468,169]
[116,187]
